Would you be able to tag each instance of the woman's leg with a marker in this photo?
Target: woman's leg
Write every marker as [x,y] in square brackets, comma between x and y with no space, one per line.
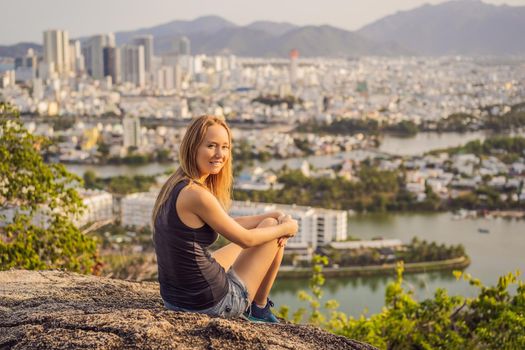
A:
[267,283]
[257,266]
[226,255]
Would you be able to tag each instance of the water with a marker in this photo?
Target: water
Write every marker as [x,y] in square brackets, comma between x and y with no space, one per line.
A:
[117,170]
[492,255]
[422,142]
[425,142]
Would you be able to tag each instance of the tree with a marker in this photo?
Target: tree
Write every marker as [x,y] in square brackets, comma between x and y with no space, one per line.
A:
[90,179]
[37,204]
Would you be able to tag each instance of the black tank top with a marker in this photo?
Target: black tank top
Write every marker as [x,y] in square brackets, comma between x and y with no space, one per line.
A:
[189,277]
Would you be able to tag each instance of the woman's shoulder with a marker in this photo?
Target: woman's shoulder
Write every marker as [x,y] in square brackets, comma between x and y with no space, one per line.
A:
[193,192]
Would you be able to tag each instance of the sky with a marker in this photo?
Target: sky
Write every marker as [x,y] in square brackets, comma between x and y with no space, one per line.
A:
[25,20]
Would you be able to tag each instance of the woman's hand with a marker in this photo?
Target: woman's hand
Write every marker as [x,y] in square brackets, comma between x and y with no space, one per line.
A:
[277,215]
[282,217]
[281,242]
[287,220]
[291,225]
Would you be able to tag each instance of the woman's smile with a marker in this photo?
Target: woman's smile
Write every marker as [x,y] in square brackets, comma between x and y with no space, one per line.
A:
[214,151]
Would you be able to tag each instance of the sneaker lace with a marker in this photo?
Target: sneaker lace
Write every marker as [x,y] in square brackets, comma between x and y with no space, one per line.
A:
[270,303]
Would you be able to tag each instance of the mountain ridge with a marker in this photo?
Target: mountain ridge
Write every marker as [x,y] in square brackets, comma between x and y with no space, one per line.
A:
[457,27]
[468,27]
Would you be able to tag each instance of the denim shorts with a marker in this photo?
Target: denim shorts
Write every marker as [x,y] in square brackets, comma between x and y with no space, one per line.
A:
[234,303]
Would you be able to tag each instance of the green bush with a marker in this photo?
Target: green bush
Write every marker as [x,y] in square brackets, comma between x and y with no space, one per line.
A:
[494,319]
[29,187]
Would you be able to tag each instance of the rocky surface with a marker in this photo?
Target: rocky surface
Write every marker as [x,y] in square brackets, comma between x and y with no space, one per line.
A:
[62,310]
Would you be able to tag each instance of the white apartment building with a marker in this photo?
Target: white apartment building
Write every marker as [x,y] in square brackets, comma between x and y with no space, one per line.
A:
[316,226]
[56,50]
[98,206]
[136,209]
[132,135]
[377,244]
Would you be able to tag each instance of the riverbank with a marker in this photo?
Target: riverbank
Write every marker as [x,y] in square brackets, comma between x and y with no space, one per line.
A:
[371,270]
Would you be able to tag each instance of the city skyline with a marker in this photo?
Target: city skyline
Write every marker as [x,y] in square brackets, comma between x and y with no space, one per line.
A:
[139,14]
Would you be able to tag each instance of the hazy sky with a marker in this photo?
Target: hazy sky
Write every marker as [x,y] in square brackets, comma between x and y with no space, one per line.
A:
[24,20]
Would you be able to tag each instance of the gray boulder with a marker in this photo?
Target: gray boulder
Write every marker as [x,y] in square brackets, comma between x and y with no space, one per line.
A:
[63,310]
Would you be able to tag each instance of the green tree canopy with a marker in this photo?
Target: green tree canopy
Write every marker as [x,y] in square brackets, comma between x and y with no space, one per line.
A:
[37,204]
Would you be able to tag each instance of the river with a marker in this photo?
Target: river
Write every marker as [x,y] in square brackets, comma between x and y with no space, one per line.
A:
[492,255]
[422,142]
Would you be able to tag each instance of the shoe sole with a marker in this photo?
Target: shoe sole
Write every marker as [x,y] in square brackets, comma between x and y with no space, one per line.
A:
[258,320]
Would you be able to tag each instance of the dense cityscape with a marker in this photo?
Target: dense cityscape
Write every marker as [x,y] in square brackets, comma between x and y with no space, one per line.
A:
[308,140]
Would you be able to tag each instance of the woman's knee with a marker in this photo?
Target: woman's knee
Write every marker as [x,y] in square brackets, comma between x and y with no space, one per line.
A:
[268,222]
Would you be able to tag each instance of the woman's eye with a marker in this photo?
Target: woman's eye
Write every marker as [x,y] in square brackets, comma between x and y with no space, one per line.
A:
[225,147]
[211,146]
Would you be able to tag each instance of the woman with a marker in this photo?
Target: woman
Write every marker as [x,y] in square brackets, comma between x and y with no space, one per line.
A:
[190,210]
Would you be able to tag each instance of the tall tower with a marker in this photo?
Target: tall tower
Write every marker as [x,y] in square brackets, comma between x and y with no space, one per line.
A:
[132,64]
[111,57]
[147,42]
[26,66]
[75,56]
[184,46]
[131,128]
[93,51]
[294,55]
[56,50]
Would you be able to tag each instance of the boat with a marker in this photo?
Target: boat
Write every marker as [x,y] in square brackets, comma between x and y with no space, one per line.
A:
[483,230]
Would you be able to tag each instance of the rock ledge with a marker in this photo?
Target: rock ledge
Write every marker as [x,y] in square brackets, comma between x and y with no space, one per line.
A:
[63,310]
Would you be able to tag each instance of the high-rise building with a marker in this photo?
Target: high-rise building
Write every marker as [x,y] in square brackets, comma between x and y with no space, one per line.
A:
[147,42]
[132,64]
[93,51]
[26,66]
[56,50]
[184,46]
[111,57]
[131,129]
[177,77]
[294,55]
[7,78]
[164,78]
[76,57]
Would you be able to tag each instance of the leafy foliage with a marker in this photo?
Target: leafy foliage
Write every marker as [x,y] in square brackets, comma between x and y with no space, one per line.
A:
[119,184]
[502,147]
[377,190]
[416,251]
[494,319]
[37,202]
[313,300]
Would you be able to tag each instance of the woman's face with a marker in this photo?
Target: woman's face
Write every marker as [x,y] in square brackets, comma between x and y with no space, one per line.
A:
[214,150]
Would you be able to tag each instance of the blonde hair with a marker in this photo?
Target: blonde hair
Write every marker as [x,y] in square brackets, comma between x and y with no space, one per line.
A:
[219,184]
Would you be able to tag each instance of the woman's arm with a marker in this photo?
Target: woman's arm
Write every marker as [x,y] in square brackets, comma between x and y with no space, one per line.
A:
[252,221]
[204,204]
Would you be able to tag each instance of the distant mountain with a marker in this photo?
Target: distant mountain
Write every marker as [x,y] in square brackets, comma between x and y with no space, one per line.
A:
[207,24]
[231,40]
[330,41]
[454,27]
[212,35]
[468,27]
[272,28]
[19,49]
